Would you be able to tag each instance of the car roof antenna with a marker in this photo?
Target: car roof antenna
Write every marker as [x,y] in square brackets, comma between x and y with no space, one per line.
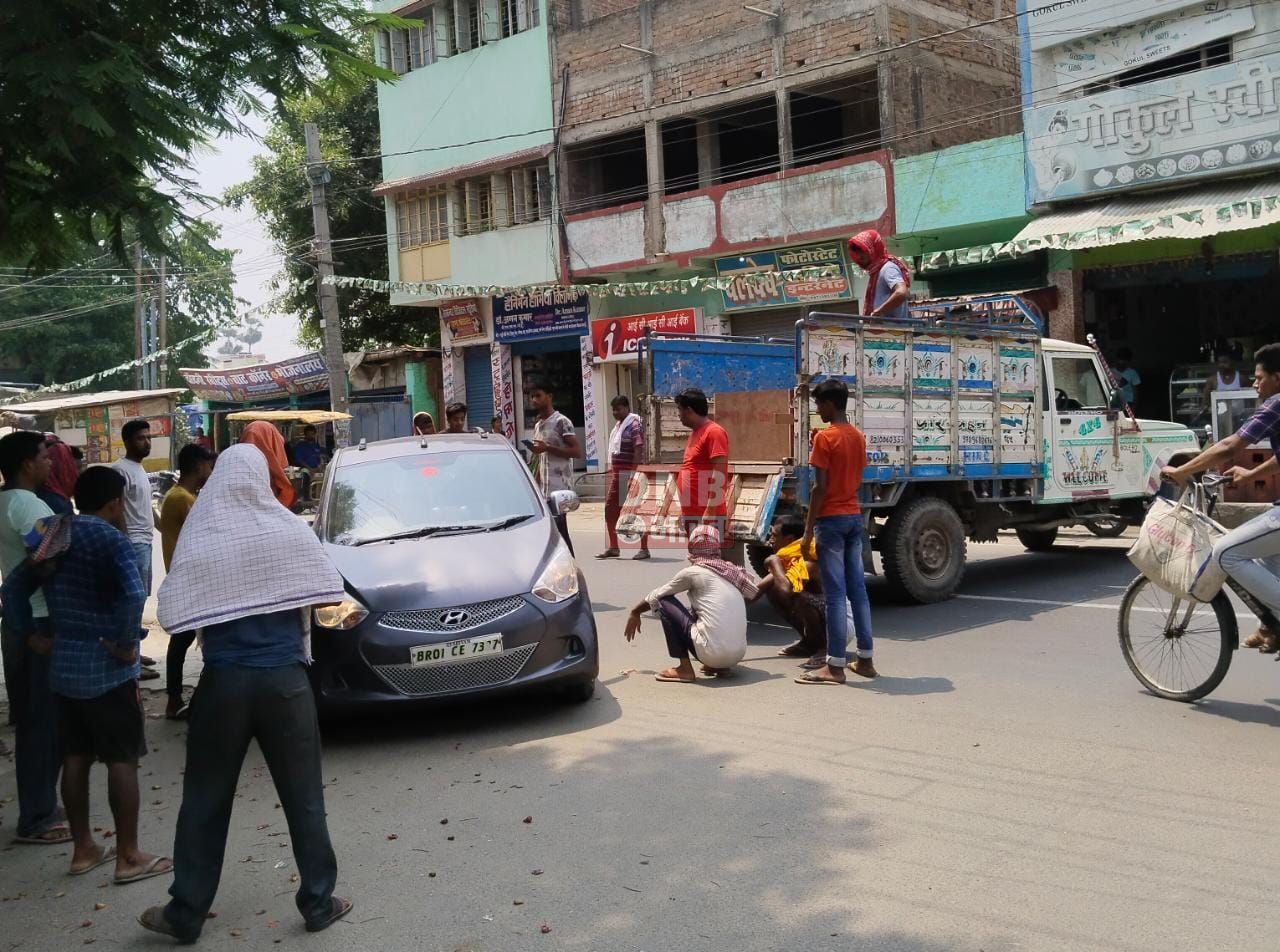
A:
[364,444]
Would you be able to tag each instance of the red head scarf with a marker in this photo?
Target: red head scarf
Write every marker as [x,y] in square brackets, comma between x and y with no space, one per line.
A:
[871,244]
[267,438]
[704,550]
[62,475]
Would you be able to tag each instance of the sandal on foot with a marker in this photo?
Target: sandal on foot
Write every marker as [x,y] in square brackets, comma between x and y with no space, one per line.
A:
[108,855]
[151,870]
[340,908]
[674,679]
[794,650]
[812,678]
[641,556]
[609,554]
[181,714]
[54,836]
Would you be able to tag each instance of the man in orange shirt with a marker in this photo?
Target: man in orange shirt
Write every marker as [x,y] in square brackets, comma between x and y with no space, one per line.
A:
[703,479]
[838,457]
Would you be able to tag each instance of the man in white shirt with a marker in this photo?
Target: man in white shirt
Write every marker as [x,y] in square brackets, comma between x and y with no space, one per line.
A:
[25,465]
[140,520]
[714,628]
[555,445]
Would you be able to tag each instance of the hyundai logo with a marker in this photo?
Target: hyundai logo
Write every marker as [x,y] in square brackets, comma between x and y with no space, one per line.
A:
[455,618]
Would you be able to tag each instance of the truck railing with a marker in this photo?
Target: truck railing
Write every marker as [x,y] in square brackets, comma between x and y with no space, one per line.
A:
[980,312]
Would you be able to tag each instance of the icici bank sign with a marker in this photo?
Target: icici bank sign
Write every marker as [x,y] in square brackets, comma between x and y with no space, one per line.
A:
[618,338]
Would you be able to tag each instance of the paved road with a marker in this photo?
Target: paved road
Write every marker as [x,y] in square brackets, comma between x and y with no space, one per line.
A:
[1005,785]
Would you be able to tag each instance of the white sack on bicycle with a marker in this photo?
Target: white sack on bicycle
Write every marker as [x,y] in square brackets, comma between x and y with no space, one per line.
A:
[1175,547]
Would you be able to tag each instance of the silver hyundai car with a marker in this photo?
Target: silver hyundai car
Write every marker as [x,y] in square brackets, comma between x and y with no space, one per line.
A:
[457,580]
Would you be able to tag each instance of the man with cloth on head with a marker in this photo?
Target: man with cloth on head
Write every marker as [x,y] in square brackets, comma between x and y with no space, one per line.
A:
[247,573]
[890,280]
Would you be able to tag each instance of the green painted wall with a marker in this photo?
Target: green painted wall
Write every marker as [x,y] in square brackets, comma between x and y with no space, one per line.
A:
[969,194]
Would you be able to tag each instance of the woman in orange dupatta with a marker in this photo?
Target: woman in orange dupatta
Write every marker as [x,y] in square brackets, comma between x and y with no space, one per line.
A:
[267,438]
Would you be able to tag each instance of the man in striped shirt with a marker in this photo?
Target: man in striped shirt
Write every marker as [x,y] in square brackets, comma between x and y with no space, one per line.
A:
[626,445]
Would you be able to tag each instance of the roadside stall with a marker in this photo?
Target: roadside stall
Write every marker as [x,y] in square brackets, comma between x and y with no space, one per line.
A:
[91,422]
[333,430]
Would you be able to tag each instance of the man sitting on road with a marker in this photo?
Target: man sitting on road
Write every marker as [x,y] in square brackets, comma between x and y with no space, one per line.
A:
[714,629]
[792,587]
[1250,554]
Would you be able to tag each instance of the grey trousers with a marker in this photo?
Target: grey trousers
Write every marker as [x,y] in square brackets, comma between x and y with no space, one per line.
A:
[1250,554]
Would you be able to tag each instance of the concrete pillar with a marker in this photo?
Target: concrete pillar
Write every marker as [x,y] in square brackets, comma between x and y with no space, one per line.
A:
[708,151]
[1066,322]
[785,156]
[654,232]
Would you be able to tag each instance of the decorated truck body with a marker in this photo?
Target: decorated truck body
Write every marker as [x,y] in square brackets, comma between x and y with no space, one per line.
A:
[974,423]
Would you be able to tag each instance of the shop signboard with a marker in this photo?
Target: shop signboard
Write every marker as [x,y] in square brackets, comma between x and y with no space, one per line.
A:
[297,376]
[539,313]
[1088,59]
[463,319]
[1219,121]
[769,289]
[1047,23]
[618,338]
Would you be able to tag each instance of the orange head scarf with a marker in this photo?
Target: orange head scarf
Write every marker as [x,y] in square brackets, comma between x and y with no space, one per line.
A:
[871,244]
[267,438]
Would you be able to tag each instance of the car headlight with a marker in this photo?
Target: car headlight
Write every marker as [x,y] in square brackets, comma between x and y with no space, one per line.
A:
[346,614]
[559,580]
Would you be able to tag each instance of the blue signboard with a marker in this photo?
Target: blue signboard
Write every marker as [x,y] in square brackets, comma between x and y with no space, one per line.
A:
[549,313]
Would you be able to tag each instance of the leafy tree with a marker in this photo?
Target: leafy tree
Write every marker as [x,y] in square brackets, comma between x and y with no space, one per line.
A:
[97,332]
[347,122]
[103,99]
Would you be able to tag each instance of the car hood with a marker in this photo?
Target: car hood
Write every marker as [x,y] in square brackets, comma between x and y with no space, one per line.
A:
[442,572]
[1163,427]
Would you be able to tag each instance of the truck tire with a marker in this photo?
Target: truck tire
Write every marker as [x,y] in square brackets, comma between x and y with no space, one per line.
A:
[924,551]
[1037,540]
[756,554]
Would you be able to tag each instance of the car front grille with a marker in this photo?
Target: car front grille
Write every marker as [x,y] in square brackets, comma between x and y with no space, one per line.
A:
[457,675]
[436,619]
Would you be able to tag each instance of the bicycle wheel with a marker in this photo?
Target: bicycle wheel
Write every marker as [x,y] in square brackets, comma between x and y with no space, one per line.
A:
[1179,649]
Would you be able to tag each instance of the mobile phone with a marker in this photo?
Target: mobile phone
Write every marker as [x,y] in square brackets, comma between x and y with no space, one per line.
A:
[527,444]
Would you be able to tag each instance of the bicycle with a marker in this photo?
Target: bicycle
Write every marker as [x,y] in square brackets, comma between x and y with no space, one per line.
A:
[1187,638]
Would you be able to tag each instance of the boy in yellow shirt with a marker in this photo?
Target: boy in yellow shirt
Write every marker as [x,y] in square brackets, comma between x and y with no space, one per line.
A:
[793,588]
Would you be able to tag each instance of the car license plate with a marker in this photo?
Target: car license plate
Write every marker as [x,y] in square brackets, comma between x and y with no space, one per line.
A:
[460,650]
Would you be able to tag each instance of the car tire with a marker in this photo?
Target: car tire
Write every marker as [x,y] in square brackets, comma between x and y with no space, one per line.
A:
[924,551]
[1037,540]
[580,692]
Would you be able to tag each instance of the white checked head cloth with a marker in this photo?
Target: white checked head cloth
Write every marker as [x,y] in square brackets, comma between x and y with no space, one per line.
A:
[241,553]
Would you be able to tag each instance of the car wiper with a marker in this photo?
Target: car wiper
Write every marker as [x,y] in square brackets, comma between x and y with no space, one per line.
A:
[508,522]
[419,533]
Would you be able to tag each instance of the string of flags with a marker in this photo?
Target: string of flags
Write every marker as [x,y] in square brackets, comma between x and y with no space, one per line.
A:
[765,280]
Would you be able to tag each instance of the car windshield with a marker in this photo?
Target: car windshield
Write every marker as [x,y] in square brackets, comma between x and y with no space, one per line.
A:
[425,494]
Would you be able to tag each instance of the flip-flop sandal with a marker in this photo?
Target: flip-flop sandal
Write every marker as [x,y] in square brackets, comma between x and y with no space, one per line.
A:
[150,871]
[798,652]
[181,714]
[148,674]
[608,554]
[108,856]
[811,679]
[641,556]
[663,678]
[54,836]
[340,908]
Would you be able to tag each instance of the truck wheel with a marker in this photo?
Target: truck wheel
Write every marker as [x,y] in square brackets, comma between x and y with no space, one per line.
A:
[756,554]
[924,551]
[1037,540]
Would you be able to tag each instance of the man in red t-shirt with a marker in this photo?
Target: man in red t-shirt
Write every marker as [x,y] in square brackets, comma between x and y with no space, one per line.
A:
[703,480]
[838,457]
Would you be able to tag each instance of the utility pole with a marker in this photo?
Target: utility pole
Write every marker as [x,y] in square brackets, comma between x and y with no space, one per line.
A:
[137,313]
[318,175]
[162,368]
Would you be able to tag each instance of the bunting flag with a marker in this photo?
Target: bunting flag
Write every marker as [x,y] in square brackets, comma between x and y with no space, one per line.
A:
[614,289]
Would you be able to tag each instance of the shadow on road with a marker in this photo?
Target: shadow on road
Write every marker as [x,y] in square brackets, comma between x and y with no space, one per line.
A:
[1241,712]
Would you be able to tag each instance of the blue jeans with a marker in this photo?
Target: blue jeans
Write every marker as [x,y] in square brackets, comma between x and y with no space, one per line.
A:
[232,706]
[839,541]
[142,552]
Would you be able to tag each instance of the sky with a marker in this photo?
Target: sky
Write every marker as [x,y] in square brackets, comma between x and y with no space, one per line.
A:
[224,164]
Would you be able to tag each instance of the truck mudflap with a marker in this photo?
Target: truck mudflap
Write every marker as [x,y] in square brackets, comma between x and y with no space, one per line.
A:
[652,506]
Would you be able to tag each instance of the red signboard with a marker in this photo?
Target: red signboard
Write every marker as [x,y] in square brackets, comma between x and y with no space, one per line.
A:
[618,338]
[462,318]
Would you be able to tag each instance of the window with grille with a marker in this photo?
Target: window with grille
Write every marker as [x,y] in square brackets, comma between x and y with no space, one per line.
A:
[475,207]
[452,27]
[422,218]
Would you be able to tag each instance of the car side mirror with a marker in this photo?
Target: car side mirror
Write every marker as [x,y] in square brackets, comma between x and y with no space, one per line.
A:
[1117,400]
[563,501]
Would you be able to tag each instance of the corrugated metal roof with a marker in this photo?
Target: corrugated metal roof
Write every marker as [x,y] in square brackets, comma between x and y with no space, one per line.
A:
[1235,205]
[90,400]
[470,170]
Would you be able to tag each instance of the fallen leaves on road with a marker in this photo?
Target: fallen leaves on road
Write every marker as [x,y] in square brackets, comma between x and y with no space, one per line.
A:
[444,822]
[545,928]
[99,906]
[393,836]
[528,819]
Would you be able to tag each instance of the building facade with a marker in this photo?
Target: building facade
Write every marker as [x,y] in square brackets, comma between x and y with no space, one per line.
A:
[1152,145]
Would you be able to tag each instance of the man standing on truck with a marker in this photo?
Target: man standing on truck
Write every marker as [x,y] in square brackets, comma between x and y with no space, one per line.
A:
[1250,553]
[890,280]
[703,479]
[834,520]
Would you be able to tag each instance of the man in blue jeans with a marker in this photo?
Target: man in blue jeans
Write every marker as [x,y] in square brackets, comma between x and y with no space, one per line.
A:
[834,520]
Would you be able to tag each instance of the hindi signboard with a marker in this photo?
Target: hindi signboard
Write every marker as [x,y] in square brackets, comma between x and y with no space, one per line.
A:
[768,288]
[618,338]
[539,313]
[1219,121]
[1049,23]
[463,319]
[298,375]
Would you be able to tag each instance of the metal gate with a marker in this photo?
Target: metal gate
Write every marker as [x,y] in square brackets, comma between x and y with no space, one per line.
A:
[382,420]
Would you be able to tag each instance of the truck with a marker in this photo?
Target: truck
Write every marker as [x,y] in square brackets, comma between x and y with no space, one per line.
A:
[975,423]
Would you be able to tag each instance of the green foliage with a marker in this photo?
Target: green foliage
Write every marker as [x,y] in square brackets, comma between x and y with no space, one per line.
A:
[103,99]
[200,283]
[347,120]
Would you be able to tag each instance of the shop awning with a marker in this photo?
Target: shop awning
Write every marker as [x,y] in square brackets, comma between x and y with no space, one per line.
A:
[288,416]
[1197,213]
